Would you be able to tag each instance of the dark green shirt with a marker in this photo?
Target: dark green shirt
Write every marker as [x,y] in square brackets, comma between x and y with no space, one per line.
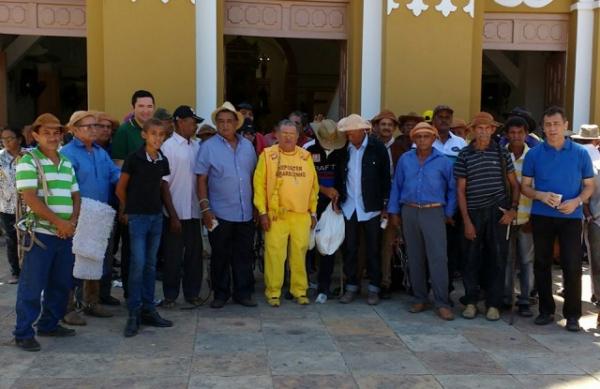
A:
[127,139]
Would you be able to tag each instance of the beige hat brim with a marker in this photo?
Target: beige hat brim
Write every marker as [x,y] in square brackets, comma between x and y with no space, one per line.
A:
[240,117]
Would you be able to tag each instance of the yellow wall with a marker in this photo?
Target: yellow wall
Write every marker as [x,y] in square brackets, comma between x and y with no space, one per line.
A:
[430,60]
[146,45]
[354,54]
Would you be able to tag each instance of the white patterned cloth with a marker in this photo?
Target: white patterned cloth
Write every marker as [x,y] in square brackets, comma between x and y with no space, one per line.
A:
[8,188]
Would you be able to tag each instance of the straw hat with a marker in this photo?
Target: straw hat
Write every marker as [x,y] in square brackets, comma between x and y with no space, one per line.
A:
[114,123]
[587,131]
[227,106]
[483,118]
[410,116]
[46,120]
[423,127]
[79,115]
[353,122]
[385,114]
[458,123]
[328,135]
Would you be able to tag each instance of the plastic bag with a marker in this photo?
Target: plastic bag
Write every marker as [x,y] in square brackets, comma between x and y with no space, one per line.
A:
[330,231]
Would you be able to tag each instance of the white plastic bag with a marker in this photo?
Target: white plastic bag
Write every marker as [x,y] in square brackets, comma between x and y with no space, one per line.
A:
[330,231]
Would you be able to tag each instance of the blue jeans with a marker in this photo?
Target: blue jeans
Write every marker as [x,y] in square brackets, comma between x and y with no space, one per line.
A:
[49,270]
[144,235]
[521,251]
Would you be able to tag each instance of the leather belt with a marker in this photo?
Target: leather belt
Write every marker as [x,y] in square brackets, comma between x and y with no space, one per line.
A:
[432,205]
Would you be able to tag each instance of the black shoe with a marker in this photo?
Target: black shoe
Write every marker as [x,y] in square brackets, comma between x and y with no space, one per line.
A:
[543,319]
[217,303]
[110,300]
[152,318]
[29,344]
[288,295]
[561,292]
[524,311]
[573,325]
[58,332]
[246,302]
[463,300]
[385,294]
[133,325]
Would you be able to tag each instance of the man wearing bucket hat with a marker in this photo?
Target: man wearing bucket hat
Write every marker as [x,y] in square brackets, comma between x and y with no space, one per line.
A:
[397,143]
[363,181]
[326,151]
[51,221]
[563,176]
[488,198]
[224,168]
[424,192]
[588,136]
[97,175]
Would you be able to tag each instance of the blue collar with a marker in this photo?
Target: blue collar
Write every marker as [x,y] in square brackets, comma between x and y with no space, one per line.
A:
[568,145]
[77,142]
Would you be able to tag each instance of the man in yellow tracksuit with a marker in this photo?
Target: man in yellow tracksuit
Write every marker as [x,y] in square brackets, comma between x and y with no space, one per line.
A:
[285,195]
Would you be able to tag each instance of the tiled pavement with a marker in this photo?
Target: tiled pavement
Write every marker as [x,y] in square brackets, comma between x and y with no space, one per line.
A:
[328,346]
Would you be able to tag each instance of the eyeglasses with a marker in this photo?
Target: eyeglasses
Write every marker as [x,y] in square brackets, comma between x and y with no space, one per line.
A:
[8,138]
[93,126]
[103,126]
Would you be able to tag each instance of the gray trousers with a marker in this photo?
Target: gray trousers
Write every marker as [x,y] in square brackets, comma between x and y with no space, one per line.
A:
[521,251]
[425,236]
[593,237]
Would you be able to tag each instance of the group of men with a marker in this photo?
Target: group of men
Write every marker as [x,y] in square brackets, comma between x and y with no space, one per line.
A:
[473,209]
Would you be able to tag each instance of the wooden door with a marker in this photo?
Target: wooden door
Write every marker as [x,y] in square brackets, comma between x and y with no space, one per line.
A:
[555,79]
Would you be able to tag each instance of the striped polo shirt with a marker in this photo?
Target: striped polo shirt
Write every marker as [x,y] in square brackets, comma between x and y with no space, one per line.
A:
[483,173]
[524,202]
[61,183]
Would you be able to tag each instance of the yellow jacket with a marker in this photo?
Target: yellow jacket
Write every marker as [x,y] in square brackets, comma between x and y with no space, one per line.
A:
[285,182]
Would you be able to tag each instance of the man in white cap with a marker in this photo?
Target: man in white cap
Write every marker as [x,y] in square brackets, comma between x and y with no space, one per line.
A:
[363,182]
[326,151]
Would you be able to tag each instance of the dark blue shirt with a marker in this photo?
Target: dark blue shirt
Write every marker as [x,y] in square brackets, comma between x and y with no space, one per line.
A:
[431,182]
[558,171]
[96,172]
[230,173]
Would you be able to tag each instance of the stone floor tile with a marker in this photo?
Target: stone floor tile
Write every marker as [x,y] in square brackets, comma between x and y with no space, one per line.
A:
[367,343]
[102,383]
[505,340]
[383,363]
[13,361]
[422,328]
[358,326]
[588,361]
[213,382]
[564,341]
[440,343]
[300,341]
[209,342]
[314,381]
[306,363]
[557,382]
[231,364]
[477,381]
[397,382]
[229,324]
[532,363]
[460,363]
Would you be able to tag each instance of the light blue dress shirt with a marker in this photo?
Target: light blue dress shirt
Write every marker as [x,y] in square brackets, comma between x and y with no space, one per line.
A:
[95,171]
[230,173]
[354,199]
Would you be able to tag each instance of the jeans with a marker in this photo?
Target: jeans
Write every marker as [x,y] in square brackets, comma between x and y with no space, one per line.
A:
[49,270]
[520,250]
[7,222]
[144,234]
[545,231]
[373,247]
[232,257]
[183,261]
[486,252]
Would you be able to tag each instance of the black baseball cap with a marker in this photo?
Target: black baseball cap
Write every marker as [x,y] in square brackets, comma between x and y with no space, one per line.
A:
[185,111]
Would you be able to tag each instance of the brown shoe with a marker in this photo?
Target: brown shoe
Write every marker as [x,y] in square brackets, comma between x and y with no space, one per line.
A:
[96,310]
[74,319]
[348,297]
[445,313]
[373,298]
[419,307]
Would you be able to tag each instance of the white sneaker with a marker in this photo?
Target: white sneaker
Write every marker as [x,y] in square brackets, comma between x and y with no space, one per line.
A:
[321,298]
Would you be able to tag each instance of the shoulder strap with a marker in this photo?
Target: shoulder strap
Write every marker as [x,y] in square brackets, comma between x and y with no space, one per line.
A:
[504,171]
[41,175]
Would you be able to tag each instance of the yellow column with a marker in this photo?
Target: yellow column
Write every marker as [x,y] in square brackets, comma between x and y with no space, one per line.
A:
[432,59]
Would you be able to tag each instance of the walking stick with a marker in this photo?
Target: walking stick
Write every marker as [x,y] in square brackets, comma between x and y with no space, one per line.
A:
[512,254]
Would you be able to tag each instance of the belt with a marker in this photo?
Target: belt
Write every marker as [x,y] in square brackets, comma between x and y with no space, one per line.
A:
[432,205]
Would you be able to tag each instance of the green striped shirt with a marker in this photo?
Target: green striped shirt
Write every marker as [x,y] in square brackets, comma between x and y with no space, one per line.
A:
[61,183]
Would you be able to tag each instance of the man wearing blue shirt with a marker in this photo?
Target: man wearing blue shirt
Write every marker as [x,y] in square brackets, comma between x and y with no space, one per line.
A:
[562,174]
[225,168]
[424,192]
[97,174]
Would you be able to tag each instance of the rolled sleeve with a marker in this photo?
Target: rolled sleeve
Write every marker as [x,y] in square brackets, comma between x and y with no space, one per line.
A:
[202,165]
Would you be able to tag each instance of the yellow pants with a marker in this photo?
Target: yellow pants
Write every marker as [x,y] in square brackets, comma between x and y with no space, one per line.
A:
[288,237]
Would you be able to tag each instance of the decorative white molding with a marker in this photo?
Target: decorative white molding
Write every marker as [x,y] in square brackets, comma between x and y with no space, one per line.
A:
[470,8]
[529,3]
[392,5]
[297,19]
[445,7]
[525,32]
[44,17]
[417,7]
